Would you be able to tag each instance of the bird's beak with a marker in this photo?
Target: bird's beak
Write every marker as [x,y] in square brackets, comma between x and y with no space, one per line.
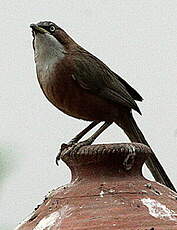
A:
[38,29]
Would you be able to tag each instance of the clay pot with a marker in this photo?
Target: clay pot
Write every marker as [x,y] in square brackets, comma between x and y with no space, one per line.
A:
[107,191]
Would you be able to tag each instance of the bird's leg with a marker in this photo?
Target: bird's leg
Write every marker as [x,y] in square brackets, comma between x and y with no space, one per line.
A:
[75,146]
[92,138]
[79,136]
[76,139]
[83,132]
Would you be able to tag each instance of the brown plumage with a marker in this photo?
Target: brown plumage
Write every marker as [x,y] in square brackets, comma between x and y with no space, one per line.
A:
[82,86]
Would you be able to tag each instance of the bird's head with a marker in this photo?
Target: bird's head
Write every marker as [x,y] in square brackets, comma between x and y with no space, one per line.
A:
[50,39]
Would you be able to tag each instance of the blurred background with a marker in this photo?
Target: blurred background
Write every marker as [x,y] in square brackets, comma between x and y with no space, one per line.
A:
[135,38]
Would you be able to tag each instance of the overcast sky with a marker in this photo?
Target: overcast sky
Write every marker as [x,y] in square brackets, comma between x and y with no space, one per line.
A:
[135,38]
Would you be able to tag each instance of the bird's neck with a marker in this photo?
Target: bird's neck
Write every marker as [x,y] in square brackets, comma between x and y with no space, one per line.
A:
[48,51]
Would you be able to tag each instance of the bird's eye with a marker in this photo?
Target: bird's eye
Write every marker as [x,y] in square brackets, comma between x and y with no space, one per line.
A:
[52,28]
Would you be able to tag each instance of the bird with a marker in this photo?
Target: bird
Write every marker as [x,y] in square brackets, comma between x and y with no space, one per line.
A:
[82,86]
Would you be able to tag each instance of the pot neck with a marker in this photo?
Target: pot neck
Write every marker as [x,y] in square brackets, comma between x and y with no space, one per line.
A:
[107,162]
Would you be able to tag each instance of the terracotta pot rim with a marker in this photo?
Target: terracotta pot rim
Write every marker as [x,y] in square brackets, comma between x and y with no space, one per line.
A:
[102,152]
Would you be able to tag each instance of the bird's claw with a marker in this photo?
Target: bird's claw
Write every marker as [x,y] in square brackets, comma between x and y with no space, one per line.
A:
[68,149]
[62,148]
[75,147]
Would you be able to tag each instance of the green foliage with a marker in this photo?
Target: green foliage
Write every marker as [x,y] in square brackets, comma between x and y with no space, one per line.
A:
[5,163]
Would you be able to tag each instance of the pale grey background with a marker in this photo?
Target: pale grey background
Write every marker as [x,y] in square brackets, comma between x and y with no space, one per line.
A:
[136,38]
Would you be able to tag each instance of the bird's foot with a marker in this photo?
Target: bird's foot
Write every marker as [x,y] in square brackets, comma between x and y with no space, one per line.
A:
[70,148]
[63,147]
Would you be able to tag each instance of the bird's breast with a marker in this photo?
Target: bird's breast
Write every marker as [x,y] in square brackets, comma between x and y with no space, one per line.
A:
[63,91]
[58,85]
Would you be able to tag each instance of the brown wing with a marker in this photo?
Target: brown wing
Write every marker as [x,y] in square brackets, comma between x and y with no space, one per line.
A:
[94,75]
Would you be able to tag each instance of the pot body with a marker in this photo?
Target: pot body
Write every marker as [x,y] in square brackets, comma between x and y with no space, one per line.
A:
[107,191]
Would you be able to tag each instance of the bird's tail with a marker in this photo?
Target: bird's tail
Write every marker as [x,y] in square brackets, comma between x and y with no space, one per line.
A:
[135,135]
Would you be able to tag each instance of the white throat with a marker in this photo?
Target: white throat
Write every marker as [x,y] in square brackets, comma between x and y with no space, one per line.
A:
[48,49]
